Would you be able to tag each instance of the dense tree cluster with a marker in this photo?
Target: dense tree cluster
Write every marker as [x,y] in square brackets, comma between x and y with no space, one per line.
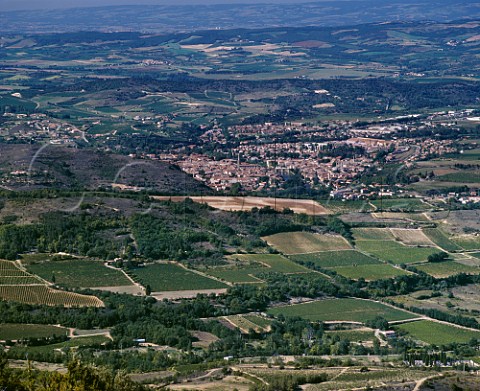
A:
[78,378]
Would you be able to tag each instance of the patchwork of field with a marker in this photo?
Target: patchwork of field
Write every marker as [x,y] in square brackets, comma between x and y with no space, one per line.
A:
[274,262]
[370,272]
[248,266]
[381,243]
[441,239]
[401,204]
[14,331]
[447,268]
[337,206]
[305,242]
[464,300]
[347,310]
[332,259]
[395,252]
[468,242]
[246,323]
[21,286]
[79,273]
[238,275]
[411,237]
[230,203]
[436,333]
[350,264]
[172,277]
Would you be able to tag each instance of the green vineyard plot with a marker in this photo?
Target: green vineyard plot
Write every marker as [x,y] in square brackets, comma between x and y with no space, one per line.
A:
[79,273]
[438,333]
[331,259]
[349,310]
[370,272]
[14,331]
[170,277]
[306,242]
[446,269]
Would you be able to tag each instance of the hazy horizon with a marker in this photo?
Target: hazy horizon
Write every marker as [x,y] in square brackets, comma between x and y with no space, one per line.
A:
[18,5]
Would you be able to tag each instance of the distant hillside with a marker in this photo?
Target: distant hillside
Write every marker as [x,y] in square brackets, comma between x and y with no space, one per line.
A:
[27,167]
[174,18]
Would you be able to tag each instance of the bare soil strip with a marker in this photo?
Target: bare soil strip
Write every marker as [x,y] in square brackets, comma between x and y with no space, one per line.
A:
[230,203]
[186,294]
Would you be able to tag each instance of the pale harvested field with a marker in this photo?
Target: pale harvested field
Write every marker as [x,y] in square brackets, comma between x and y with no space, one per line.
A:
[412,237]
[204,339]
[227,383]
[200,46]
[400,216]
[305,242]
[172,295]
[230,203]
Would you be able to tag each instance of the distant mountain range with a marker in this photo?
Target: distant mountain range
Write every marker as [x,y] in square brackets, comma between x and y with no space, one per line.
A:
[183,18]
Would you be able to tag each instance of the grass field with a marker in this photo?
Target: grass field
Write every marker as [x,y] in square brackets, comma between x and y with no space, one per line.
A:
[41,294]
[401,204]
[241,275]
[353,310]
[441,240]
[171,277]
[14,331]
[329,259]
[306,242]
[250,265]
[468,242]
[79,273]
[370,272]
[437,333]
[447,268]
[395,252]
[460,177]
[274,262]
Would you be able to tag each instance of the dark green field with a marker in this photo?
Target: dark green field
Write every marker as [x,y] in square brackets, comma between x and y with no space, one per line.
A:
[171,277]
[354,310]
[328,259]
[79,273]
[15,331]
